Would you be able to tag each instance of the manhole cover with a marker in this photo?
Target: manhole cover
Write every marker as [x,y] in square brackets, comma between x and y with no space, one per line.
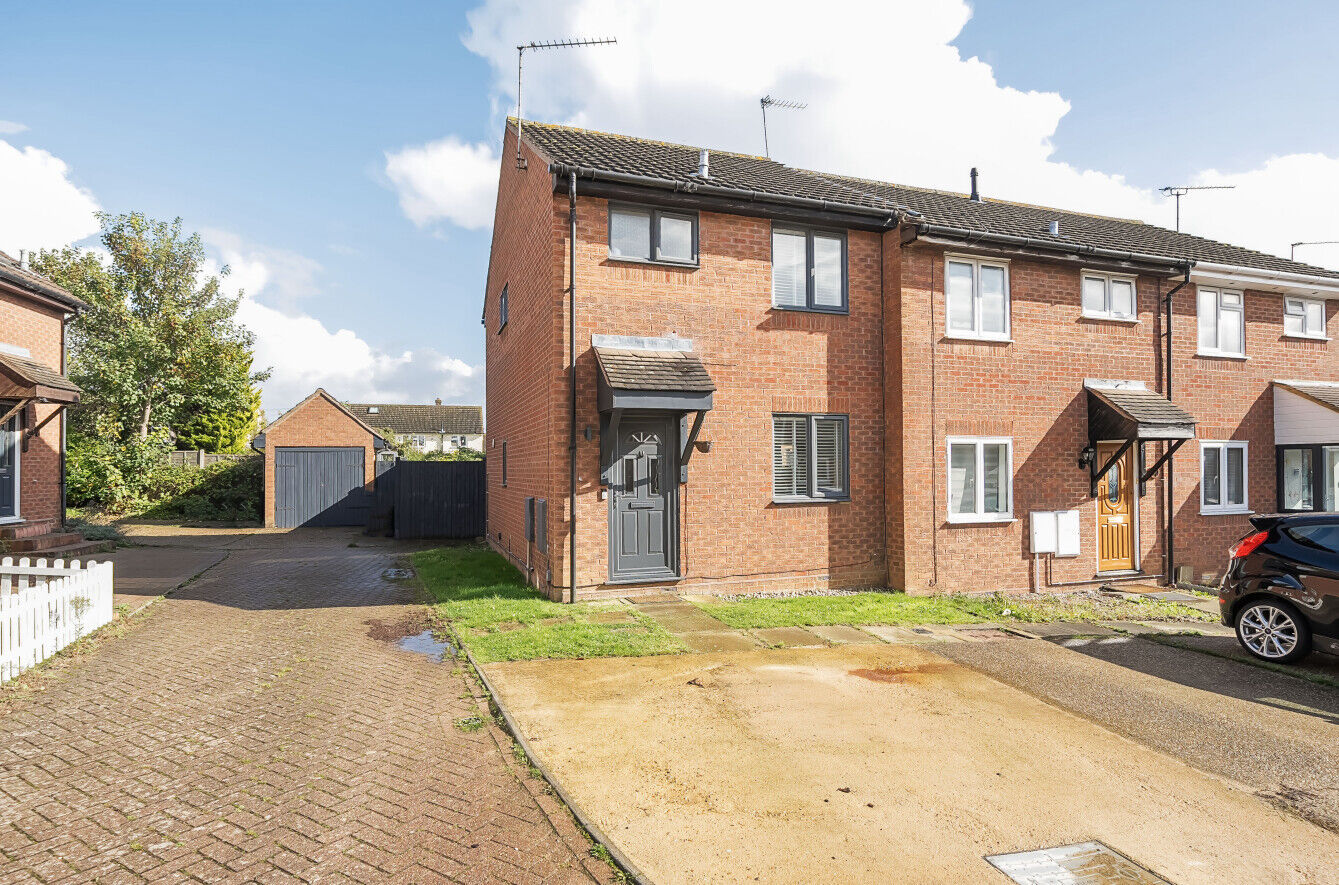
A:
[1087,863]
[397,574]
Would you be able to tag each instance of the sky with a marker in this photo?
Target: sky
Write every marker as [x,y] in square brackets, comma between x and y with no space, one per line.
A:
[341,158]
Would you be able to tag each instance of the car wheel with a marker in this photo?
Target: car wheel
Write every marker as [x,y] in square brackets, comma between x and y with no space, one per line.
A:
[1272,630]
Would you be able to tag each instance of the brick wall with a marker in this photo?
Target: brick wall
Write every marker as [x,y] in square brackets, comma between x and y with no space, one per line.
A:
[315,422]
[24,323]
[525,362]
[889,365]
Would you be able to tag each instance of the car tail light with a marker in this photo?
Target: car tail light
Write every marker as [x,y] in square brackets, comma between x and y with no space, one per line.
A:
[1246,546]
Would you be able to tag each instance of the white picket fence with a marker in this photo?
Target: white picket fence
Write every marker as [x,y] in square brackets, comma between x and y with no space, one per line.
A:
[44,608]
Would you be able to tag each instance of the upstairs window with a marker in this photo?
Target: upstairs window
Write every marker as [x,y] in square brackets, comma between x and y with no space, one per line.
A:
[502,309]
[809,457]
[1107,297]
[1222,323]
[1304,318]
[977,299]
[809,270]
[652,235]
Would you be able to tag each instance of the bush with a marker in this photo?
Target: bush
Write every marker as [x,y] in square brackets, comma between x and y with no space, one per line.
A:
[105,474]
[229,491]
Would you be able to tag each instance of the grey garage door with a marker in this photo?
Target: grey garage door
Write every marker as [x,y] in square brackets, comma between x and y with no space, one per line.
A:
[319,487]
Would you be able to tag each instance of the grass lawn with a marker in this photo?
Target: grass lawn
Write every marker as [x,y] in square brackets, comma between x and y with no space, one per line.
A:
[899,608]
[501,618]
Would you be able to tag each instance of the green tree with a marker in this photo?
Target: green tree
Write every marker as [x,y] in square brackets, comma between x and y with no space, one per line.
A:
[159,344]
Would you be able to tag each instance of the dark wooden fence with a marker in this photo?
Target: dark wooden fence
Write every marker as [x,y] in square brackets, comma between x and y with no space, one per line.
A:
[430,499]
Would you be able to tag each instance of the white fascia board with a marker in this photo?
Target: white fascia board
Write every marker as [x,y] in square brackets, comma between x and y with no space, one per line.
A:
[1282,282]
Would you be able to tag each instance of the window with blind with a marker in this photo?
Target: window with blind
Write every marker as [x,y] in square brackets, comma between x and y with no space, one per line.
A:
[652,235]
[980,479]
[810,457]
[809,269]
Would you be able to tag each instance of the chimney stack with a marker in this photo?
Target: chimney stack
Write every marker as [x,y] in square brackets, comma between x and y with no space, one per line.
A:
[704,164]
[439,400]
[976,194]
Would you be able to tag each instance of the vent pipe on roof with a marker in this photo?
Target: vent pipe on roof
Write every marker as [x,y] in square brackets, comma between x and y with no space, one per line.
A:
[1054,228]
[704,164]
[976,194]
[439,400]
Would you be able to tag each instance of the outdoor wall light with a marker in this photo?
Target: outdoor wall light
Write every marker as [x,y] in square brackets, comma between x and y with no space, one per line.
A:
[589,432]
[1087,456]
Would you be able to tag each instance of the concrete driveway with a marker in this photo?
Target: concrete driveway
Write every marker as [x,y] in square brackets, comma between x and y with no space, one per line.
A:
[884,763]
[261,725]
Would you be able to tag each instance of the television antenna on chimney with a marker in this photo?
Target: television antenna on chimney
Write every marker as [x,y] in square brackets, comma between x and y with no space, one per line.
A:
[1180,191]
[520,59]
[768,102]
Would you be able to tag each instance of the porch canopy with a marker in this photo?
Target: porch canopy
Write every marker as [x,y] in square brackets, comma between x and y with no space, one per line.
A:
[24,379]
[650,374]
[1128,412]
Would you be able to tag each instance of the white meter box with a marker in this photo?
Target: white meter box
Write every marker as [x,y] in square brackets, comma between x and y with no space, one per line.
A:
[1055,532]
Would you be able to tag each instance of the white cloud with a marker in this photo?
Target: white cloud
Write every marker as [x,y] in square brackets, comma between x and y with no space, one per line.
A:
[446,180]
[891,99]
[304,353]
[9,127]
[40,207]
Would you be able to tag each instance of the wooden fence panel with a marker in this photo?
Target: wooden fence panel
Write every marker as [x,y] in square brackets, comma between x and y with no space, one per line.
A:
[44,608]
[432,499]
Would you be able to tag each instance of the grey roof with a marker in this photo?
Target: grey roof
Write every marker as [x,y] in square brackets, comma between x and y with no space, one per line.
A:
[37,375]
[670,370]
[12,272]
[1144,406]
[412,418]
[1325,394]
[673,162]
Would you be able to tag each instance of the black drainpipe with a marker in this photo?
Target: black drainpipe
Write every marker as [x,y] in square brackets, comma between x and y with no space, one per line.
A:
[572,359]
[1171,474]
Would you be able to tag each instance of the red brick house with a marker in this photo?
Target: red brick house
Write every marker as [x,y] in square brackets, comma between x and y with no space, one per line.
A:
[33,395]
[792,380]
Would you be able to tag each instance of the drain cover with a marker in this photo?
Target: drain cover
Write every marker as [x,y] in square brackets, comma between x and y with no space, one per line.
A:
[1087,863]
[397,574]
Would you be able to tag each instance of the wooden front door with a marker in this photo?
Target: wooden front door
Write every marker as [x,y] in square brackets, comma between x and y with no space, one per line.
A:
[1115,511]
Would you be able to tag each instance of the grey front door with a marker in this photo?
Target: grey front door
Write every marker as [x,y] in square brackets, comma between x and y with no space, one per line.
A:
[642,510]
[9,468]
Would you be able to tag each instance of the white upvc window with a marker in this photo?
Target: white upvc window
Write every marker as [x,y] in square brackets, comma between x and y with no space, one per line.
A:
[1304,318]
[1108,297]
[980,479]
[976,299]
[1223,481]
[1222,323]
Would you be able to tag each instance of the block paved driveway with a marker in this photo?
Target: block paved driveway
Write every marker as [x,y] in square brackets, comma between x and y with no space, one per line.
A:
[253,728]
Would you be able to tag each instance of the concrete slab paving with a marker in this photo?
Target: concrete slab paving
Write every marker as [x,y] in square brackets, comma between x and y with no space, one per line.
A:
[727,640]
[902,635]
[877,763]
[789,637]
[840,634]
[1061,630]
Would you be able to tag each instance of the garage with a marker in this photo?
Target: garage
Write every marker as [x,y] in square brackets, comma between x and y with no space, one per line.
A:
[319,487]
[320,465]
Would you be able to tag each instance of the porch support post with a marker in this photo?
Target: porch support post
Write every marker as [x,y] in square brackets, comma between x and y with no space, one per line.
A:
[1171,450]
[688,446]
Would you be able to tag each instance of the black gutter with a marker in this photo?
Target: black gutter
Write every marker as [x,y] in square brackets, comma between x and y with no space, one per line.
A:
[1019,242]
[33,284]
[1170,540]
[889,215]
[572,359]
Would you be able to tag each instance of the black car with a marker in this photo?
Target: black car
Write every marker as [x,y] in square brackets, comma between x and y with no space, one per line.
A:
[1281,590]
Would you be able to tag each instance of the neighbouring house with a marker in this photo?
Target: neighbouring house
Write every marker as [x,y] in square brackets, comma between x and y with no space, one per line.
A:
[791,380]
[427,428]
[320,464]
[34,393]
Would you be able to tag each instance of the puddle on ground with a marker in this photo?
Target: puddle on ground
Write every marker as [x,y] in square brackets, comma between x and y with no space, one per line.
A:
[912,673]
[426,644]
[397,574]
